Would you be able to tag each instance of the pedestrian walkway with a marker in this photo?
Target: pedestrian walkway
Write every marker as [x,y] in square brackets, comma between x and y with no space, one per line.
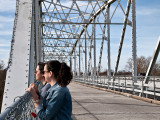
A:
[94,104]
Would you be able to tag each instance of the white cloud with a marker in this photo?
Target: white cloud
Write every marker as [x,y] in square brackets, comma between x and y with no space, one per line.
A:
[7,5]
[4,45]
[4,51]
[6,19]
[147,11]
[4,41]
[6,32]
[1,26]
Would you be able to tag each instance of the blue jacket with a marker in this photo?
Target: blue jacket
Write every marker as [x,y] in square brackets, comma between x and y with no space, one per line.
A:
[57,104]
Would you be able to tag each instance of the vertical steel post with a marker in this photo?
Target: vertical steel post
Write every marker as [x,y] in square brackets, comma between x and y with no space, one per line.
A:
[142,94]
[94,34]
[37,19]
[85,56]
[32,59]
[71,62]
[75,62]
[154,84]
[125,84]
[40,32]
[108,43]
[102,43]
[79,58]
[134,54]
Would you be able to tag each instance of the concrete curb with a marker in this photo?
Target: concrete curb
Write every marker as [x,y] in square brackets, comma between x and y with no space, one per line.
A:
[122,93]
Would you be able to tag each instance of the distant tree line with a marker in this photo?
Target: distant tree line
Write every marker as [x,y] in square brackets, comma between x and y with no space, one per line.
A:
[142,66]
[2,81]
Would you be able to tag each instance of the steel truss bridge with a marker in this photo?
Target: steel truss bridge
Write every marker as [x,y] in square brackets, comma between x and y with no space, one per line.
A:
[78,32]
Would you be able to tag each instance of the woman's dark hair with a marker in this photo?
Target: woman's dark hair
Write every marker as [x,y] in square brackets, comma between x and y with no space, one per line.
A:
[62,72]
[41,67]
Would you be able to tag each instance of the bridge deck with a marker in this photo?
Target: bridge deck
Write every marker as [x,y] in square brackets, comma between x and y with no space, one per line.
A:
[94,104]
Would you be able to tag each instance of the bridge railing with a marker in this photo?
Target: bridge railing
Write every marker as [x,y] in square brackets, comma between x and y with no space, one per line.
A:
[126,84]
[23,106]
[21,109]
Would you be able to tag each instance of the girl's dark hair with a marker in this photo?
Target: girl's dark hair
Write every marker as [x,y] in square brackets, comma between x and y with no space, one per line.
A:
[41,67]
[62,72]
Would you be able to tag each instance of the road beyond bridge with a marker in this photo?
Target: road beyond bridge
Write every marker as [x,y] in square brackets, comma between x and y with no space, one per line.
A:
[94,104]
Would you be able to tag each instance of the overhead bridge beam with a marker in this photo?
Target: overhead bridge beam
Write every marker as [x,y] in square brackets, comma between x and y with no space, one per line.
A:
[107,3]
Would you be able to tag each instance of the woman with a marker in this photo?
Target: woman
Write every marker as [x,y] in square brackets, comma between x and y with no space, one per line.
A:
[39,73]
[41,86]
[57,103]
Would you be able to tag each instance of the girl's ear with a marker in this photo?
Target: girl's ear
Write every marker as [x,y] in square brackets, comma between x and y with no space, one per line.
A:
[51,73]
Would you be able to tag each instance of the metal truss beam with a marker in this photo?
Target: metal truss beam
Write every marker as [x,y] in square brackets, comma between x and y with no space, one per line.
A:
[91,19]
[122,36]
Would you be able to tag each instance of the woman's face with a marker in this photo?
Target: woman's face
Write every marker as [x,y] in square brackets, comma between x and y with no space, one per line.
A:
[46,74]
[38,74]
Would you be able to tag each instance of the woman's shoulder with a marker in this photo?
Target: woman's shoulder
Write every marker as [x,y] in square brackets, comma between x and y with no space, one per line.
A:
[60,88]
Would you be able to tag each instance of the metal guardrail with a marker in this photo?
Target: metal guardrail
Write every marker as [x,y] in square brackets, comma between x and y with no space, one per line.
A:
[21,109]
[126,84]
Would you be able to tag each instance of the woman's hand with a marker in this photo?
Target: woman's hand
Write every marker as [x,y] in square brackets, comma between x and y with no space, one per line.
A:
[33,92]
[33,86]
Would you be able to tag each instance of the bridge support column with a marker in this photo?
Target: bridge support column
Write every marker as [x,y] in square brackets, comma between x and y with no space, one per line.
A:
[71,63]
[94,38]
[86,75]
[79,58]
[134,51]
[37,32]
[108,43]
[75,63]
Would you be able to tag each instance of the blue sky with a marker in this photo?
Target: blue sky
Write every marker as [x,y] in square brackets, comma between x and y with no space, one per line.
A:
[148,27]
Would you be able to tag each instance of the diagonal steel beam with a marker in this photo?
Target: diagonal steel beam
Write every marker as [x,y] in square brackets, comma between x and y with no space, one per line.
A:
[122,36]
[107,3]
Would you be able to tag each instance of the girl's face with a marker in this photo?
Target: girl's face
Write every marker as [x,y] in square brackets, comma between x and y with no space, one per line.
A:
[38,74]
[47,74]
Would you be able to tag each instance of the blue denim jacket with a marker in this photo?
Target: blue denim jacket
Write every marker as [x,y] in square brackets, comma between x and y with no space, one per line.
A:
[57,104]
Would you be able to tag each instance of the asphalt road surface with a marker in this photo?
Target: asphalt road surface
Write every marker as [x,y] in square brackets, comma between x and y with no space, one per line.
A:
[94,104]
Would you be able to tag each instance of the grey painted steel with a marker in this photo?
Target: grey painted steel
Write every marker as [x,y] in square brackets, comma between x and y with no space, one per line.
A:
[134,45]
[90,56]
[71,63]
[32,56]
[153,61]
[86,74]
[79,58]
[37,38]
[91,19]
[18,70]
[102,42]
[108,44]
[122,36]
[75,57]
[94,42]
